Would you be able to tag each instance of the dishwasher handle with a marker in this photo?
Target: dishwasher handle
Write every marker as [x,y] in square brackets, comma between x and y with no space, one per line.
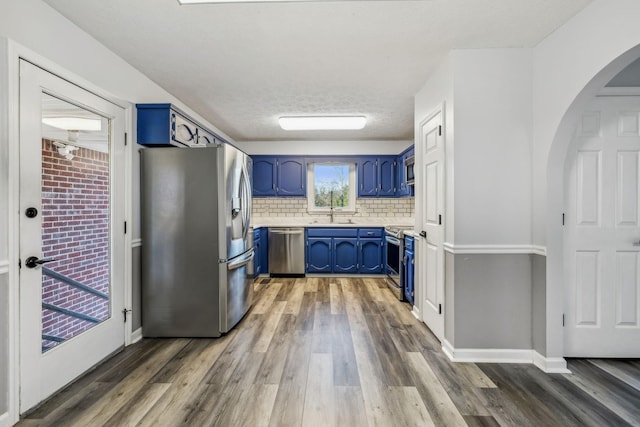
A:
[286,230]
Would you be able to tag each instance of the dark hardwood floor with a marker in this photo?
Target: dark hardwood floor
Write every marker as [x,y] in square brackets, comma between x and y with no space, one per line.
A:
[334,352]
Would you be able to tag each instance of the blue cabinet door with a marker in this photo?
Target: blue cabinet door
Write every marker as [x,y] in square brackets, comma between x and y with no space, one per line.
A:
[264,250]
[319,255]
[408,282]
[370,260]
[257,261]
[387,176]
[409,277]
[292,176]
[264,176]
[345,251]
[367,177]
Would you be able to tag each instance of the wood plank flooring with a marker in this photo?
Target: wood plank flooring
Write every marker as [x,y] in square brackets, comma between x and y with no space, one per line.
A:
[334,352]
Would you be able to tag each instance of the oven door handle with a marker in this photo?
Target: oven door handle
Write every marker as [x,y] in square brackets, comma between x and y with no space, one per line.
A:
[393,240]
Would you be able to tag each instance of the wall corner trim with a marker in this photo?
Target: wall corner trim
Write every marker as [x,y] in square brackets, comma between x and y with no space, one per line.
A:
[416,313]
[550,365]
[4,266]
[494,249]
[136,336]
[136,243]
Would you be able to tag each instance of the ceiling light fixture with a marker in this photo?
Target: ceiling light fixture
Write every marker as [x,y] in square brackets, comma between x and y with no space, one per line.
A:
[323,123]
[73,123]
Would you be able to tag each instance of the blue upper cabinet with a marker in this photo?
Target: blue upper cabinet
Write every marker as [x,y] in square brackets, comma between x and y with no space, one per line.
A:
[376,176]
[279,176]
[162,125]
[387,174]
[292,176]
[368,177]
[264,176]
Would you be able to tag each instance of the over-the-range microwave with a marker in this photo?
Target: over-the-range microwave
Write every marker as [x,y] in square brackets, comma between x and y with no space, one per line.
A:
[408,170]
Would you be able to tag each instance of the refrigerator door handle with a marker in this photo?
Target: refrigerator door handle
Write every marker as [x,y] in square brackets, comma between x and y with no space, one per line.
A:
[244,260]
[245,194]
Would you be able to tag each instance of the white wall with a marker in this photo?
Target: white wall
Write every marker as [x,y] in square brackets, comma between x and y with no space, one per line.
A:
[309,148]
[492,92]
[570,67]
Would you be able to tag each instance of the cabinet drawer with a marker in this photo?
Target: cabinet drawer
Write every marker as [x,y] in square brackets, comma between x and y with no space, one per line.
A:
[332,232]
[408,243]
[370,232]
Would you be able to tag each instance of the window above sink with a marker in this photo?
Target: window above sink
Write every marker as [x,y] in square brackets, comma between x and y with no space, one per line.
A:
[331,187]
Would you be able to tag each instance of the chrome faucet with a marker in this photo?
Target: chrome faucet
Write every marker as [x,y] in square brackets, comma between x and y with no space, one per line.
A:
[331,206]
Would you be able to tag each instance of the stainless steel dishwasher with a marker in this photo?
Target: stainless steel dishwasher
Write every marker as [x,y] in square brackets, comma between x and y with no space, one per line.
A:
[286,251]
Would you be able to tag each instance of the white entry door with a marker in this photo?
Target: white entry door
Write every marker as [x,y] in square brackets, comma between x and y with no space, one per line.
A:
[431,252]
[71,232]
[602,227]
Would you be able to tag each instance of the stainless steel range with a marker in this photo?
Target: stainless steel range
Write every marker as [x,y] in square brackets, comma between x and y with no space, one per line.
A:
[394,244]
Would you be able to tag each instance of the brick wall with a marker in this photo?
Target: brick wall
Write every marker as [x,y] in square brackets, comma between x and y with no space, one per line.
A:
[75,231]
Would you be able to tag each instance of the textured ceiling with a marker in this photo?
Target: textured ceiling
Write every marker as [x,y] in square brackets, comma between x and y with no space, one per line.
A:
[242,66]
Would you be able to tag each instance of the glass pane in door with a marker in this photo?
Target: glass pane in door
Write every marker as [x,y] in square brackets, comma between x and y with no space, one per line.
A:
[75,221]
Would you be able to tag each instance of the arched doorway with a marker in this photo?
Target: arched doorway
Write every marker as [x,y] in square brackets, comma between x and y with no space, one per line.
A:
[556,199]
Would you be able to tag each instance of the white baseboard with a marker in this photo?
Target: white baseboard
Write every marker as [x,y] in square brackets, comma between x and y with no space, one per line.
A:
[416,313]
[488,355]
[136,335]
[551,365]
[4,420]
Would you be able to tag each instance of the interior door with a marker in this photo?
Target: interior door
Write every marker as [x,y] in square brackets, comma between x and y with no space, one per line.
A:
[71,232]
[431,252]
[602,232]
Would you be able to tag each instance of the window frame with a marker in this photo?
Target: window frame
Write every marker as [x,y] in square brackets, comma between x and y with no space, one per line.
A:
[311,191]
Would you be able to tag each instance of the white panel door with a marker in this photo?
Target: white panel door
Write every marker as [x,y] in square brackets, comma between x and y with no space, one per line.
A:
[431,253]
[71,232]
[602,232]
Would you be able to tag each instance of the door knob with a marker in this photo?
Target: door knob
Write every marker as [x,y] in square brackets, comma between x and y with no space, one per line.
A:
[34,261]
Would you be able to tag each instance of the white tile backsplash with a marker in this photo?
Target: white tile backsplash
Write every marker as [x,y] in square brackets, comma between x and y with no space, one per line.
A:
[365,207]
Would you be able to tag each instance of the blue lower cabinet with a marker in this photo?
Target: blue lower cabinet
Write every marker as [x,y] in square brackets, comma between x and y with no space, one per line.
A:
[257,261]
[370,251]
[345,252]
[319,251]
[409,271]
[263,253]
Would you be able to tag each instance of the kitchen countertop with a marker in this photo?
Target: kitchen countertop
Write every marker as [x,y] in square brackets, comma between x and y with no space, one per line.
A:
[339,221]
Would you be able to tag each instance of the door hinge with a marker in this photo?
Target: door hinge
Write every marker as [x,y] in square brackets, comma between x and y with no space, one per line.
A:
[439,219]
[439,308]
[125,139]
[562,219]
[125,227]
[19,263]
[563,319]
[440,130]
[124,313]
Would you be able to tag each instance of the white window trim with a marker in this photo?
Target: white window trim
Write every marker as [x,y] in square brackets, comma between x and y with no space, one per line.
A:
[311,208]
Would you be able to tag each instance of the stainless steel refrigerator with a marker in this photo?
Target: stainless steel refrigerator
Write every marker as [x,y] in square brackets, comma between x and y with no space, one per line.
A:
[197,245]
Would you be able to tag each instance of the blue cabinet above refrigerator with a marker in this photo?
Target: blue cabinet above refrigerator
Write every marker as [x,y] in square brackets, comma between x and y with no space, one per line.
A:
[164,125]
